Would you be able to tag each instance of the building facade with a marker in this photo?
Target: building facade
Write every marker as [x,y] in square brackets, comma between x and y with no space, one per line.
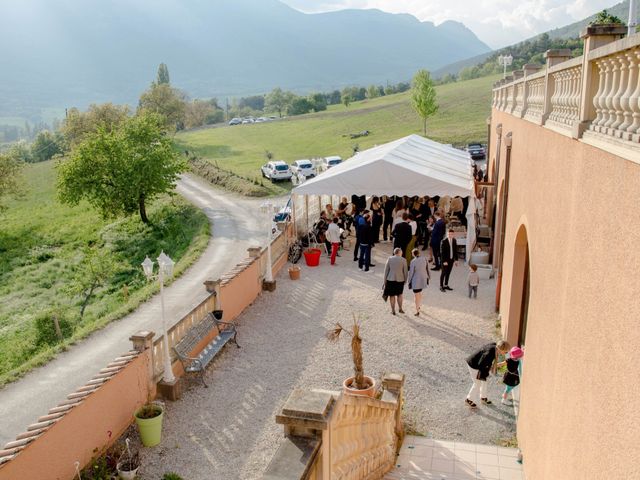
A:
[565,162]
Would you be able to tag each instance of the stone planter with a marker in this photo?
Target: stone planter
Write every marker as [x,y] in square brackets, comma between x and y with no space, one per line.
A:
[367,392]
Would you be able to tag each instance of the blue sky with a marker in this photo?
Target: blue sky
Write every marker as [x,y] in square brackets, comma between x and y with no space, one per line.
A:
[496,22]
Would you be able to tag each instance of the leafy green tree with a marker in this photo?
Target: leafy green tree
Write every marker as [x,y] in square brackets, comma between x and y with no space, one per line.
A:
[605,17]
[78,124]
[119,171]
[197,112]
[94,271]
[278,101]
[346,99]
[299,106]
[318,102]
[20,152]
[46,145]
[334,98]
[423,96]
[167,101]
[10,178]
[373,92]
[255,102]
[162,78]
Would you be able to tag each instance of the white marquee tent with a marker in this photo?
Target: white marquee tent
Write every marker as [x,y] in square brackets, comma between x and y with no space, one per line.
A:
[412,165]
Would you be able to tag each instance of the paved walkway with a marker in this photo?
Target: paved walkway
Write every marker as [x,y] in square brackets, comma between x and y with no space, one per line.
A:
[234,228]
[228,430]
[426,459]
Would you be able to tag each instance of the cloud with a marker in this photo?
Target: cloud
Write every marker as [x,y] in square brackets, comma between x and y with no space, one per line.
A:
[496,22]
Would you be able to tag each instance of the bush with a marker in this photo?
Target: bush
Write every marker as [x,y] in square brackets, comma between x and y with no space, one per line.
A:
[171,476]
[46,333]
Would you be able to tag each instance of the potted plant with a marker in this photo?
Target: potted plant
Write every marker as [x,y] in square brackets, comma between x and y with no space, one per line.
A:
[149,420]
[359,384]
[128,466]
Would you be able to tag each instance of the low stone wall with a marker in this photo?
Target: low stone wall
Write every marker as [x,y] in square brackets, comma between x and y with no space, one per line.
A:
[89,421]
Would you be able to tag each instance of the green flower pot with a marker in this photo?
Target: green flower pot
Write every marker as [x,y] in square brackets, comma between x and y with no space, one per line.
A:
[150,428]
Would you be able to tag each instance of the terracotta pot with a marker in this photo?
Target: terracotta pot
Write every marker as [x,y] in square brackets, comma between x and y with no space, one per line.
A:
[367,392]
[294,273]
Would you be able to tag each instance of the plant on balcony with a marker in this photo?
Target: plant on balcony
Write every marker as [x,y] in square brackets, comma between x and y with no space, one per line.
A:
[359,384]
[605,18]
[149,420]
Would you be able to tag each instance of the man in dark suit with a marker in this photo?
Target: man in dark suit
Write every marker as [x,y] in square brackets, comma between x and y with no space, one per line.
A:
[402,233]
[437,234]
[449,252]
[366,235]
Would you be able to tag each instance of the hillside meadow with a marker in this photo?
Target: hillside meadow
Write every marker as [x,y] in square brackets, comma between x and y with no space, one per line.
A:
[44,250]
[461,118]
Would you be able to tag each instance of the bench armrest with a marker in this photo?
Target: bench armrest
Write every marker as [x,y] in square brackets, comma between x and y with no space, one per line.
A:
[184,358]
[231,324]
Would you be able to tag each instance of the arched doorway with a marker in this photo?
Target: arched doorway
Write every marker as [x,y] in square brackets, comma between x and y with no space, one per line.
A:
[520,289]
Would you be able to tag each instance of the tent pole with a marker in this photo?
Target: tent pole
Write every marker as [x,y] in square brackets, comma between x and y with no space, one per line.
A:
[306,212]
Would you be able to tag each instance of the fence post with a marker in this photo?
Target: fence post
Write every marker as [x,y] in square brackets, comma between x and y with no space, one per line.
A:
[143,342]
[394,383]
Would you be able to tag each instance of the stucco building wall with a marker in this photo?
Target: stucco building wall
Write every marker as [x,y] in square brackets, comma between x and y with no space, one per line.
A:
[576,208]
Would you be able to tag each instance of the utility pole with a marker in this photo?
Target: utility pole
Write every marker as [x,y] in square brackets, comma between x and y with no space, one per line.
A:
[226,115]
[632,18]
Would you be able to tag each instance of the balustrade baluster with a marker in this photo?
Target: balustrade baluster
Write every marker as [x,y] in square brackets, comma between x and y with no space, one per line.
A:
[615,79]
[597,99]
[622,87]
[634,99]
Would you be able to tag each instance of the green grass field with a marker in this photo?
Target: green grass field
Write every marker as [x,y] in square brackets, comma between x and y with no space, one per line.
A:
[41,250]
[463,109]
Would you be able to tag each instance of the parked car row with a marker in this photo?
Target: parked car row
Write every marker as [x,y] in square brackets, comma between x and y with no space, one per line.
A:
[276,170]
[248,120]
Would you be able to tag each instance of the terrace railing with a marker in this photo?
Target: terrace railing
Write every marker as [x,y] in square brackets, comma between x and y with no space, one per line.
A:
[594,97]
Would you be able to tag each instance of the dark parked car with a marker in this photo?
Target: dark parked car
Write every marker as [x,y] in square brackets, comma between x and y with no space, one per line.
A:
[476,151]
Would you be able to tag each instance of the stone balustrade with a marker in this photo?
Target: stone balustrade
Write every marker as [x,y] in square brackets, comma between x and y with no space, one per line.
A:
[336,436]
[594,97]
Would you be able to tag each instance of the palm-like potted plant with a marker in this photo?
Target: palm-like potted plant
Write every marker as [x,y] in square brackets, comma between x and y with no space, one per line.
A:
[359,384]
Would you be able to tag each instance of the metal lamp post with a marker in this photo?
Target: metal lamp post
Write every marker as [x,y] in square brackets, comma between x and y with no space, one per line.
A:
[269,209]
[632,18]
[505,60]
[165,269]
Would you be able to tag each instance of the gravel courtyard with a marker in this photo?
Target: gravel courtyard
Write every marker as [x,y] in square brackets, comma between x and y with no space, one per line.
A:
[228,431]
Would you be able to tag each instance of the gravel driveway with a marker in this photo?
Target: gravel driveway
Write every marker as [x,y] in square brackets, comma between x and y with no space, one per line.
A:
[228,431]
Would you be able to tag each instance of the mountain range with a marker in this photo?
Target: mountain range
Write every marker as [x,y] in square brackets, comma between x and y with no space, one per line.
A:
[74,52]
[573,30]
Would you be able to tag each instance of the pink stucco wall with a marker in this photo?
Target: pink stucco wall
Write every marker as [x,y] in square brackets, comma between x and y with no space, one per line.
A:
[578,205]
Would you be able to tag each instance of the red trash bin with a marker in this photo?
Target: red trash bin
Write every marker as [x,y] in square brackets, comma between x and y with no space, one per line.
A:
[312,257]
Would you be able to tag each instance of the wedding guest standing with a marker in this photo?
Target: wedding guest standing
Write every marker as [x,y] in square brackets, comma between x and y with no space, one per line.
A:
[418,277]
[395,276]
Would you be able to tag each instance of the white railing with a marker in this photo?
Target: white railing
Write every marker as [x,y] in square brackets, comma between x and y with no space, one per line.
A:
[595,96]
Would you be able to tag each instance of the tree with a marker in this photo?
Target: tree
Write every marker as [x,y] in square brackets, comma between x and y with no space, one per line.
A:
[162,77]
[119,171]
[423,96]
[78,124]
[20,152]
[255,102]
[10,177]
[318,102]
[334,98]
[346,99]
[278,101]
[373,92]
[167,101]
[94,271]
[299,106]
[605,17]
[46,145]
[197,112]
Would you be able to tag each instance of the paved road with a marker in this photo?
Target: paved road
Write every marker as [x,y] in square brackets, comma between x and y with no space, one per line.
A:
[235,227]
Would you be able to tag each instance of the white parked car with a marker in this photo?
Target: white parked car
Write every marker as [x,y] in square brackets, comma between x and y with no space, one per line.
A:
[276,170]
[303,167]
[329,162]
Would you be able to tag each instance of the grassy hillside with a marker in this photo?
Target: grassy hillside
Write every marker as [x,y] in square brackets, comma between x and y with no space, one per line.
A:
[464,107]
[43,249]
